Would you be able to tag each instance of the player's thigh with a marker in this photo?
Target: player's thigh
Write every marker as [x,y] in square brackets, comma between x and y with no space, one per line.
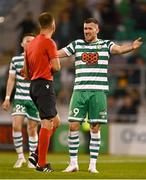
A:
[18,114]
[98,107]
[78,106]
[19,107]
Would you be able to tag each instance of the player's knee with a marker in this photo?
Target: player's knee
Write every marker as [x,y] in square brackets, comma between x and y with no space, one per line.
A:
[74,126]
[17,129]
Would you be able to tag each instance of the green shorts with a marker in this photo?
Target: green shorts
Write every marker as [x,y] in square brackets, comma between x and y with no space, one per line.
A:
[26,108]
[92,104]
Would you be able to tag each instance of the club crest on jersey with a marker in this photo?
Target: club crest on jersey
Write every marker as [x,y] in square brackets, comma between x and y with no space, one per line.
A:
[99,46]
[90,58]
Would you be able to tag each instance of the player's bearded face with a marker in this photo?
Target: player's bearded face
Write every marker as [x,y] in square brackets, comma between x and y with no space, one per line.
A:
[90,32]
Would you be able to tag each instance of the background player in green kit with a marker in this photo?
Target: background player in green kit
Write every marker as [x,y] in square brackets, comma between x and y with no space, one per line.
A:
[90,87]
[23,107]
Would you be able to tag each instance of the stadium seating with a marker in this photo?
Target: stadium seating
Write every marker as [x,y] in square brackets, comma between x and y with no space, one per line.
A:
[6,6]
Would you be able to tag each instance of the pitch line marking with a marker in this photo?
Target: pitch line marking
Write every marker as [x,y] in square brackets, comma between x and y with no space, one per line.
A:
[105,161]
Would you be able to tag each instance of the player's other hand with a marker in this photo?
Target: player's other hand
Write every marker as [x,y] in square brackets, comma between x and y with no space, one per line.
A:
[6,105]
[137,43]
[22,72]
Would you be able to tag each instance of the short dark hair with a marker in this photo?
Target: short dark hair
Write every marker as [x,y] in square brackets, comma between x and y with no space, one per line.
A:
[29,34]
[91,20]
[45,20]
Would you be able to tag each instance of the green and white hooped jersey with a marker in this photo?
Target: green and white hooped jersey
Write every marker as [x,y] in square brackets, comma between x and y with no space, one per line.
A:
[91,63]
[22,87]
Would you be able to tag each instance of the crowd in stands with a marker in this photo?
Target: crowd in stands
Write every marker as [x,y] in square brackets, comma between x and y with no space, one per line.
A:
[119,20]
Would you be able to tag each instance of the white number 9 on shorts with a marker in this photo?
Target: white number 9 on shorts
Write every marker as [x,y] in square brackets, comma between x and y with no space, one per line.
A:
[75,111]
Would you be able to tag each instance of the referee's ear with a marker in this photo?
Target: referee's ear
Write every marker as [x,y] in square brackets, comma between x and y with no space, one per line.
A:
[22,45]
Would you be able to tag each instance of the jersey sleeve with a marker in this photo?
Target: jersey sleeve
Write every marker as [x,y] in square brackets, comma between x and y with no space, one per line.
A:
[12,69]
[70,48]
[109,44]
[52,50]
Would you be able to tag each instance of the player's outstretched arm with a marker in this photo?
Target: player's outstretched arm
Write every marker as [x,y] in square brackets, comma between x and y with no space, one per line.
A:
[125,48]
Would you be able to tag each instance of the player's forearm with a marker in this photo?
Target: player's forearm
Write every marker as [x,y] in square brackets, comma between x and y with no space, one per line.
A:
[126,48]
[61,53]
[10,87]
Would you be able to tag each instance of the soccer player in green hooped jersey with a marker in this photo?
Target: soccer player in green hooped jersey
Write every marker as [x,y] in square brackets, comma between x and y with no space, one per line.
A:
[90,87]
[23,107]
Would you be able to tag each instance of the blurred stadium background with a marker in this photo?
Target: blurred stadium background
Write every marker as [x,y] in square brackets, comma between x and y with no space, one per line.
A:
[120,21]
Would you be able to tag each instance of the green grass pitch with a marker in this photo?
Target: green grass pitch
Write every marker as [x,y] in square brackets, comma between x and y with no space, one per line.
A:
[109,167]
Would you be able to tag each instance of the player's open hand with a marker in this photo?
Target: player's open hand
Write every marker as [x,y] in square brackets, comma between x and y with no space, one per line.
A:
[6,105]
[137,43]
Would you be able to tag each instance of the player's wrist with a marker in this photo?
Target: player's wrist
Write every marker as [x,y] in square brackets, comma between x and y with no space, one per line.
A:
[7,98]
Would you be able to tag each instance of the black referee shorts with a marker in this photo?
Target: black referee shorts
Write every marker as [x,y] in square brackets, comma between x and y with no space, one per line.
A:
[43,95]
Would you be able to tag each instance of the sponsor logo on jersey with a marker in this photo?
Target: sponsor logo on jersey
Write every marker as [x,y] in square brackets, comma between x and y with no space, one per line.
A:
[90,58]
